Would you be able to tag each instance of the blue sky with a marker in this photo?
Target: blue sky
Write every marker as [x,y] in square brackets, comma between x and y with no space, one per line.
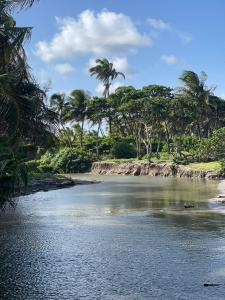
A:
[152,42]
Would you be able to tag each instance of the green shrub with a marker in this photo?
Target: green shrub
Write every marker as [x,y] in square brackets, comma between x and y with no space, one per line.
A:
[32,166]
[222,168]
[123,149]
[212,148]
[71,161]
[45,163]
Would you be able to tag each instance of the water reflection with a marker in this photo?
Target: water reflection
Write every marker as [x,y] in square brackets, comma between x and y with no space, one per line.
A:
[125,238]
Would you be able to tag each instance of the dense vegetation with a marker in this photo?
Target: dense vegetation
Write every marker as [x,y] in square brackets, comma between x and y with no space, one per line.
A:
[185,124]
[25,121]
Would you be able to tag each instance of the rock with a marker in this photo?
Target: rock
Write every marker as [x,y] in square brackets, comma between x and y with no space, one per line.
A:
[189,206]
[211,174]
[212,284]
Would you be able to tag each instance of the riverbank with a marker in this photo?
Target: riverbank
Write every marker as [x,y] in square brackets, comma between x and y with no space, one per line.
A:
[218,202]
[151,169]
[51,183]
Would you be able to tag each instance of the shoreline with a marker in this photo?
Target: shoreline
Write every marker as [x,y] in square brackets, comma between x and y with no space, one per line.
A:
[49,184]
[219,200]
[164,169]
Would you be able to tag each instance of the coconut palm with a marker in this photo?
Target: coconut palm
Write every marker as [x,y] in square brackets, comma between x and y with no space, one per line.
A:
[78,109]
[96,112]
[59,104]
[106,73]
[195,88]
[24,117]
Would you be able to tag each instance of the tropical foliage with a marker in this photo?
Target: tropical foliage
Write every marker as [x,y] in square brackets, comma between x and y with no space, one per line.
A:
[186,123]
[144,122]
[24,117]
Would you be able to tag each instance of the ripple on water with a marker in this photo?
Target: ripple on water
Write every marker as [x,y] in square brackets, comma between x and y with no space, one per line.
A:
[127,238]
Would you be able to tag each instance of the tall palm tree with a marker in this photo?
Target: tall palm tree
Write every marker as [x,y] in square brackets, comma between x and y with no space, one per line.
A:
[106,73]
[195,88]
[24,118]
[78,109]
[96,112]
[59,104]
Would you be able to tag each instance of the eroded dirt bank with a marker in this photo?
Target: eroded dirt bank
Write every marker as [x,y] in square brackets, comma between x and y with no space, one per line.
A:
[150,169]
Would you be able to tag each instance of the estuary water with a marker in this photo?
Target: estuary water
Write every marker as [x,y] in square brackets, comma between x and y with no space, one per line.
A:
[123,238]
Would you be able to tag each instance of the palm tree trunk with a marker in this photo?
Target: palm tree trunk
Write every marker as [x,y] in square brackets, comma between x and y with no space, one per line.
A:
[110,125]
[68,137]
[82,134]
[97,140]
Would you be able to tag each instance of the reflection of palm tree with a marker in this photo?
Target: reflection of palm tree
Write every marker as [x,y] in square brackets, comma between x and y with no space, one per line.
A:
[106,73]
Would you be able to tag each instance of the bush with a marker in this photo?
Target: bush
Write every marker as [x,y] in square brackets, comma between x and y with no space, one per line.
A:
[185,142]
[212,148]
[71,161]
[222,169]
[44,163]
[123,149]
[32,166]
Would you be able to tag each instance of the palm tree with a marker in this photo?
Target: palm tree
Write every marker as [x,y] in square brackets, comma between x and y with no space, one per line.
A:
[106,73]
[96,111]
[24,117]
[78,109]
[15,3]
[59,104]
[196,89]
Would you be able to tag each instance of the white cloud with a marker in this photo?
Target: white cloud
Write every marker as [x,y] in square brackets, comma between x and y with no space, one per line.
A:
[185,38]
[169,59]
[100,88]
[103,33]
[121,64]
[63,68]
[159,24]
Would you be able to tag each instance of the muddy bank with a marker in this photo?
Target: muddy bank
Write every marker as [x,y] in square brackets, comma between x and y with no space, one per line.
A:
[150,169]
[48,184]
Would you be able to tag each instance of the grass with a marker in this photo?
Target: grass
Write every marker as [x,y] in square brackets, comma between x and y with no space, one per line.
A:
[168,158]
[205,166]
[40,176]
[164,157]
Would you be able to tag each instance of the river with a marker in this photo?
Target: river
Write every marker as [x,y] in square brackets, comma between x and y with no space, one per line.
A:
[124,238]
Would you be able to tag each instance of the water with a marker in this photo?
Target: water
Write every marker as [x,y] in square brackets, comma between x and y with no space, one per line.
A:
[125,238]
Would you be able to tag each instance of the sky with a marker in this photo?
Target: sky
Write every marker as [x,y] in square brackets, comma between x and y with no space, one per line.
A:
[151,41]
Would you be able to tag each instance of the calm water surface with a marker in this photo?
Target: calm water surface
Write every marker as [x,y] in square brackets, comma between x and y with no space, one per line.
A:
[125,238]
